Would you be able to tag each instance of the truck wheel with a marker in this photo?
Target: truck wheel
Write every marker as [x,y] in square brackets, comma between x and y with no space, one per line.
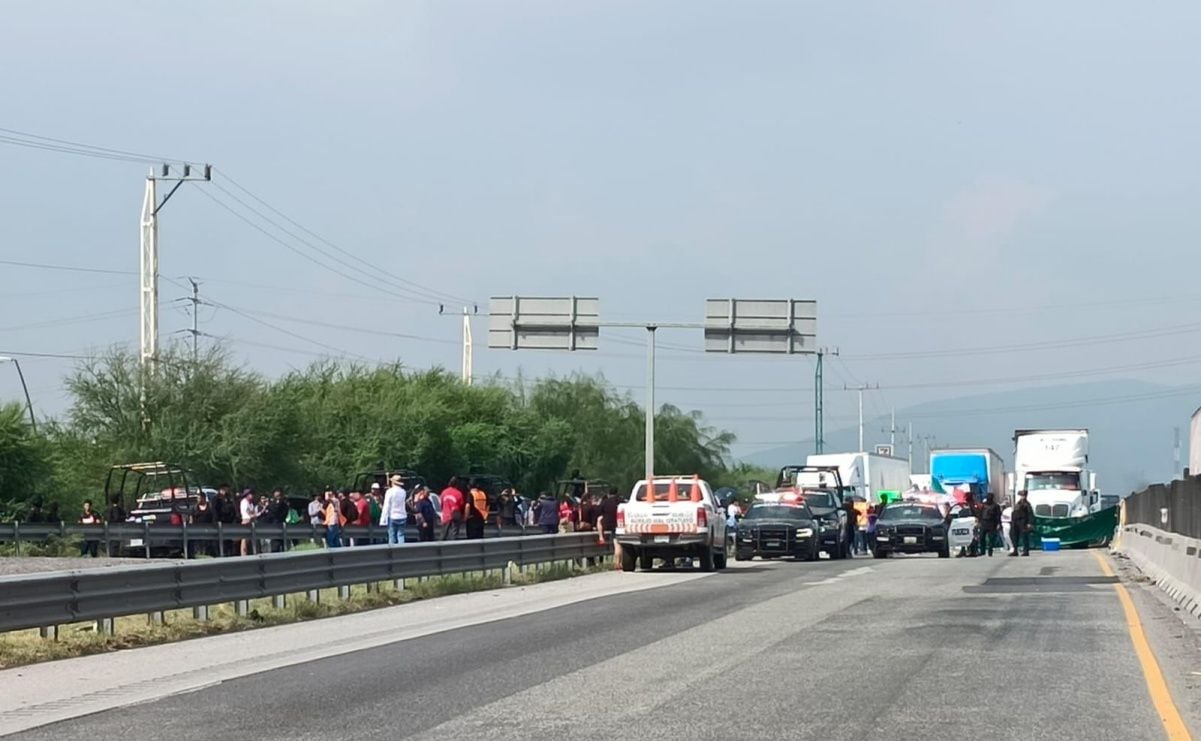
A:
[706,559]
[742,556]
[629,560]
[945,552]
[719,560]
[880,552]
[813,554]
[647,562]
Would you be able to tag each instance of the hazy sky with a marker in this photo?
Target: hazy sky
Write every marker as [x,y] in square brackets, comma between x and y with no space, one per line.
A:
[938,175]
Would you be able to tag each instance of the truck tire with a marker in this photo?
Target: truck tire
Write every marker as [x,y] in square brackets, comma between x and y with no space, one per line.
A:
[742,556]
[647,562]
[880,552]
[629,560]
[945,552]
[706,559]
[813,554]
[719,559]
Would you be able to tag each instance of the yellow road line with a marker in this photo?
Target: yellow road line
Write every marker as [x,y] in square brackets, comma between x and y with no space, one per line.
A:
[1161,697]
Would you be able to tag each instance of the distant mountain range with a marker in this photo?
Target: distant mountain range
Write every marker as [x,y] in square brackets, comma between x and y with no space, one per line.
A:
[1130,425]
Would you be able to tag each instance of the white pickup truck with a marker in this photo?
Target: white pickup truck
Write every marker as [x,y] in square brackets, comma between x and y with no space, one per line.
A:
[680,519]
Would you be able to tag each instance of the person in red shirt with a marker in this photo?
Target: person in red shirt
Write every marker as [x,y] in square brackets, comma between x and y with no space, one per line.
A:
[452,508]
[363,507]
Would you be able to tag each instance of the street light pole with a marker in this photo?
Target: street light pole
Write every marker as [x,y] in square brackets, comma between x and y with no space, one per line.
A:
[650,409]
[28,401]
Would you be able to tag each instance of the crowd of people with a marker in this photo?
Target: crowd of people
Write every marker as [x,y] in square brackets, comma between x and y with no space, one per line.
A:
[458,510]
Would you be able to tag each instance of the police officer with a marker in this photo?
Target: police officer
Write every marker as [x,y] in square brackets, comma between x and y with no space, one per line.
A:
[990,522]
[1021,524]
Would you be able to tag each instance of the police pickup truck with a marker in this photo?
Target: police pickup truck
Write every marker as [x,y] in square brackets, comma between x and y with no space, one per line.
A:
[676,517]
[778,524]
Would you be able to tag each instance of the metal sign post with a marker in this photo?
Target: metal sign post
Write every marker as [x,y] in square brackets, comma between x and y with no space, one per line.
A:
[731,326]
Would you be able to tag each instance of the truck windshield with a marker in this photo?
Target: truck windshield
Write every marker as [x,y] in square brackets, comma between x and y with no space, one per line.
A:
[778,512]
[662,492]
[819,499]
[1055,480]
[910,512]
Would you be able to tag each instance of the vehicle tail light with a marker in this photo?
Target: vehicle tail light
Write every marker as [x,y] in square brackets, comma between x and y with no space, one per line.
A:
[621,518]
[702,517]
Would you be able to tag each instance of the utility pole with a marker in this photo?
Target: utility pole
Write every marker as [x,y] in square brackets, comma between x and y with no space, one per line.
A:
[148,291]
[892,431]
[909,446]
[467,369]
[1176,453]
[467,359]
[819,401]
[926,440]
[195,330]
[860,388]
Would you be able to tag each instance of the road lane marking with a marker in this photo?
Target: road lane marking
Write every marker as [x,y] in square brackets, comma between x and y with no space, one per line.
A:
[1161,696]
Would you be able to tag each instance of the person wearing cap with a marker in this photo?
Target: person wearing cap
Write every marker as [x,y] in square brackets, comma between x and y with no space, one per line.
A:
[394,516]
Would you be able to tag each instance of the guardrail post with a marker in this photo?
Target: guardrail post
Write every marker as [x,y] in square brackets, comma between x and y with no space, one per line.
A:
[106,626]
[200,612]
[242,607]
[313,595]
[220,540]
[254,537]
[146,537]
[286,545]
[49,632]
[279,601]
[185,539]
[156,618]
[344,592]
[108,544]
[17,536]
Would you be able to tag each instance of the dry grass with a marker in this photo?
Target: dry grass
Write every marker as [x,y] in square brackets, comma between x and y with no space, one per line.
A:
[18,648]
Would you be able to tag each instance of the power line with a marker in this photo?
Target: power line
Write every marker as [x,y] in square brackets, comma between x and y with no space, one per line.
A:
[71,268]
[1054,376]
[21,138]
[345,327]
[79,319]
[1040,345]
[432,292]
[289,332]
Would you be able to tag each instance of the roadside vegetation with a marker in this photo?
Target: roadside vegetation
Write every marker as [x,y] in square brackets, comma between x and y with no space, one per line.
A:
[319,426]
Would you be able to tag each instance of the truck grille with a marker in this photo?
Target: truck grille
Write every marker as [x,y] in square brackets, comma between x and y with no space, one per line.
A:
[773,539]
[911,531]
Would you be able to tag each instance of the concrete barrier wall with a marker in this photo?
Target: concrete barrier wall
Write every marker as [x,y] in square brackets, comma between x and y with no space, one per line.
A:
[1171,560]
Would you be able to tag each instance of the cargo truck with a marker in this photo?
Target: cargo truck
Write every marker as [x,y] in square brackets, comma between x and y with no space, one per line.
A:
[1052,467]
[865,475]
[979,471]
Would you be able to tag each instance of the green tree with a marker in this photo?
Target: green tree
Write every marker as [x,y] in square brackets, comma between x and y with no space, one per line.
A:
[25,465]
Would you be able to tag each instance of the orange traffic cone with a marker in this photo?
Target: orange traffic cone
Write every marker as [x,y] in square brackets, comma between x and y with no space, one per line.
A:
[695,494]
[673,491]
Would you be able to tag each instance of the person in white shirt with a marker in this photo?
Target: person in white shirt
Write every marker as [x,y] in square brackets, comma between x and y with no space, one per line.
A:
[394,515]
[250,512]
[1006,521]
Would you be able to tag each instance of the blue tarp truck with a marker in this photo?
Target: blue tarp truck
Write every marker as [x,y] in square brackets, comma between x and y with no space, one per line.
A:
[977,470]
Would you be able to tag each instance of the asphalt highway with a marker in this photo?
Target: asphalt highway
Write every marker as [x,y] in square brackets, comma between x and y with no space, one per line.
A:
[909,647]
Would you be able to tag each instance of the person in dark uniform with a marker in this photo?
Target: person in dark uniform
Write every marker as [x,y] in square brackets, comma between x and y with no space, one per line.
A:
[1021,525]
[990,523]
[848,506]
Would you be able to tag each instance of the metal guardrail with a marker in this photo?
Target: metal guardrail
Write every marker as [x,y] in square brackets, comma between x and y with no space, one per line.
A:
[145,538]
[57,598]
